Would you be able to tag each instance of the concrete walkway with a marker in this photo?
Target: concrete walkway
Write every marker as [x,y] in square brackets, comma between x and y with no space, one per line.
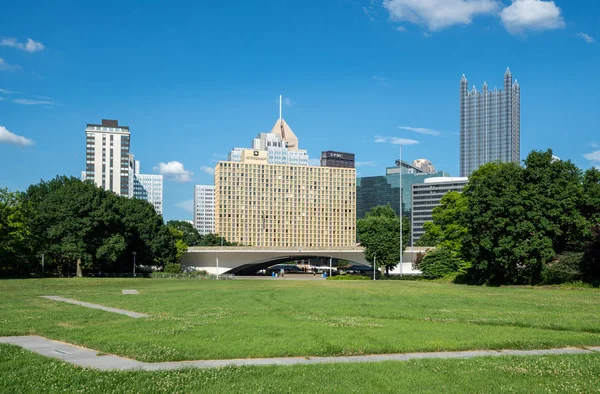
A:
[88,358]
[135,315]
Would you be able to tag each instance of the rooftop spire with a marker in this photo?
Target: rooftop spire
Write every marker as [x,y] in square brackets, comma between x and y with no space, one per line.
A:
[279,108]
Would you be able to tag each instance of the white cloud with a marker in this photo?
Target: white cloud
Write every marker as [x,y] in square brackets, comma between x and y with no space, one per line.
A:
[395,140]
[175,171]
[439,14]
[524,15]
[4,91]
[187,205]
[6,137]
[401,29]
[314,162]
[594,145]
[29,46]
[420,130]
[8,67]
[378,78]
[365,164]
[288,101]
[32,102]
[594,156]
[208,170]
[586,37]
[426,34]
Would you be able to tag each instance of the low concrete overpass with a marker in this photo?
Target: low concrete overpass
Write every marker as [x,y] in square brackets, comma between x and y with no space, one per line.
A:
[240,259]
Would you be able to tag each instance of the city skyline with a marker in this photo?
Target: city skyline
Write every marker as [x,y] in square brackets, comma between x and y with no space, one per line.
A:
[198,87]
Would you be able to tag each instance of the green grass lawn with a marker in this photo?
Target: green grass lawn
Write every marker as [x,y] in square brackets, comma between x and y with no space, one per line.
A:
[199,319]
[25,372]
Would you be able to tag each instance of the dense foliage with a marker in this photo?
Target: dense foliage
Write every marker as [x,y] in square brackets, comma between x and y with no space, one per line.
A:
[379,233]
[522,225]
[75,225]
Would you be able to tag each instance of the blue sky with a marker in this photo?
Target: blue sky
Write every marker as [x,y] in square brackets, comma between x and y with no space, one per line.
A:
[195,80]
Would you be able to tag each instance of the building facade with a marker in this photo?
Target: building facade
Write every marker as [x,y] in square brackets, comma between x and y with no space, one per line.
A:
[385,189]
[426,196]
[149,187]
[204,209]
[281,145]
[107,156]
[490,125]
[274,205]
[337,159]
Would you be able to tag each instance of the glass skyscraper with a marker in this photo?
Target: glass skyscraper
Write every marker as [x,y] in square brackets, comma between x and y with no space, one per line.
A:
[490,125]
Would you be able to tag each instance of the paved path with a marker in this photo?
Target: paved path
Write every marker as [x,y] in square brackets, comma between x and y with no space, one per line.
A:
[135,315]
[83,357]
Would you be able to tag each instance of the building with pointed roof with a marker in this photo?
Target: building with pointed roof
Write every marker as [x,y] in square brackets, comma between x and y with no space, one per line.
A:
[281,145]
[490,124]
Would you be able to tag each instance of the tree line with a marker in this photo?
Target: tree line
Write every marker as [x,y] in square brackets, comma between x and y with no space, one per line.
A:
[74,226]
[533,224]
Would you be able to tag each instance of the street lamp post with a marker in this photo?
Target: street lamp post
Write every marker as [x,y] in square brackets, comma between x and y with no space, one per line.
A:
[374,265]
[217,268]
[330,267]
[134,253]
[401,210]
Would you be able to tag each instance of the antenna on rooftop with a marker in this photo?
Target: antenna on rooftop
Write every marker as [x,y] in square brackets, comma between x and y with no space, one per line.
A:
[279,108]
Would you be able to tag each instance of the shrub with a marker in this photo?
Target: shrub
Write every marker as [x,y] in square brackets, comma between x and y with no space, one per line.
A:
[349,277]
[441,262]
[563,269]
[172,268]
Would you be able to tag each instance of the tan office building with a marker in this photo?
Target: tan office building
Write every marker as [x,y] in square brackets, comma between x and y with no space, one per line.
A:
[271,205]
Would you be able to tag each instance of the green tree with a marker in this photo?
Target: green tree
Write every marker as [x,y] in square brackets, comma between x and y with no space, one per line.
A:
[15,234]
[180,244]
[76,221]
[215,240]
[518,218]
[379,234]
[190,236]
[447,227]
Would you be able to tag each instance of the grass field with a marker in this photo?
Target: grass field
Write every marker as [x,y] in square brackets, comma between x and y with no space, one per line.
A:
[25,372]
[192,319]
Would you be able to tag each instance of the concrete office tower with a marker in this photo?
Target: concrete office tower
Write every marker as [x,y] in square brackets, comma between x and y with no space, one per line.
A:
[272,205]
[426,196]
[490,125]
[204,209]
[107,156]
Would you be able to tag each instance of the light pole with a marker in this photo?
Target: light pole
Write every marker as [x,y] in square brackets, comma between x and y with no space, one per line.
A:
[330,268]
[217,268]
[374,265]
[134,253]
[401,210]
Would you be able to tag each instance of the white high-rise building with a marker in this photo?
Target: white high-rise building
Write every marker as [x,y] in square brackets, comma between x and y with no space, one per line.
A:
[204,209]
[147,187]
[107,156]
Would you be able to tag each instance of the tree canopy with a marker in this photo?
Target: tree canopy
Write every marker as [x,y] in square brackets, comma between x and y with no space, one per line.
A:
[67,221]
[513,223]
[379,233]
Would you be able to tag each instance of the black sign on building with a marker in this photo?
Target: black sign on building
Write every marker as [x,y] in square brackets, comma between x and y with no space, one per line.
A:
[337,159]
